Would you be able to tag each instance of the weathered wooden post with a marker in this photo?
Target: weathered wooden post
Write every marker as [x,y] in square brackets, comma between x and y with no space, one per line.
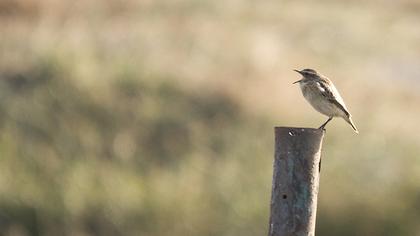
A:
[297,165]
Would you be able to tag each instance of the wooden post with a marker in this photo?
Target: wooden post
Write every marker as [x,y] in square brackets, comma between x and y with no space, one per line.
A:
[297,164]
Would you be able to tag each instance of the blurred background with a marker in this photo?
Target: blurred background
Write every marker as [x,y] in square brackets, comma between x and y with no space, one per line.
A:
[155,117]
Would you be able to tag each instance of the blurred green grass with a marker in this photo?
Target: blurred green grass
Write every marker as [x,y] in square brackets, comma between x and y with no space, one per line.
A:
[156,117]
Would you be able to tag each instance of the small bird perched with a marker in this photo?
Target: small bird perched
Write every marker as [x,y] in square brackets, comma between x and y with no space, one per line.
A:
[321,93]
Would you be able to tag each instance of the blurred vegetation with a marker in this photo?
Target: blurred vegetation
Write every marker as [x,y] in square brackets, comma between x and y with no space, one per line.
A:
[156,117]
[71,162]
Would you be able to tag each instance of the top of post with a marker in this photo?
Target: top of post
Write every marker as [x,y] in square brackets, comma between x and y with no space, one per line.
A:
[296,131]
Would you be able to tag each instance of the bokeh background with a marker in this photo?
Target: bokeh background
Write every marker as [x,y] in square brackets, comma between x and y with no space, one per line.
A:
[155,117]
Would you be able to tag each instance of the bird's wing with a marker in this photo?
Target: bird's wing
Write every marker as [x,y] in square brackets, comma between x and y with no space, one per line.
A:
[329,91]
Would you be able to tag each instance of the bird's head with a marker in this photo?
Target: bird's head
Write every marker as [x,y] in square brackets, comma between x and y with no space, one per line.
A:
[308,74]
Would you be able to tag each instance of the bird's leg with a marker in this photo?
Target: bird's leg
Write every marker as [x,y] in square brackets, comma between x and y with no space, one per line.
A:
[326,122]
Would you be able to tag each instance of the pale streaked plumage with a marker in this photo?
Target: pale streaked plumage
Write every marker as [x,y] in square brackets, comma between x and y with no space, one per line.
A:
[321,93]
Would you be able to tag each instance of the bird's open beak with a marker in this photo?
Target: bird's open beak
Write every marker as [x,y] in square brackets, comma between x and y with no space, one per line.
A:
[298,71]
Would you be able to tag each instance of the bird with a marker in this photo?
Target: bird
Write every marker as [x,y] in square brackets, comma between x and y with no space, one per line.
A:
[321,93]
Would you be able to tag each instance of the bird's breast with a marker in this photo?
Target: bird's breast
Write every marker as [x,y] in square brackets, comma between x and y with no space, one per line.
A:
[313,94]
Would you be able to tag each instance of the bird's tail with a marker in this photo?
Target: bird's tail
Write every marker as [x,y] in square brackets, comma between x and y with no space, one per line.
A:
[350,121]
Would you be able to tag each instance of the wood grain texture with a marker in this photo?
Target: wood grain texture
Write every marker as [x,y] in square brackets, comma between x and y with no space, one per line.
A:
[295,181]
